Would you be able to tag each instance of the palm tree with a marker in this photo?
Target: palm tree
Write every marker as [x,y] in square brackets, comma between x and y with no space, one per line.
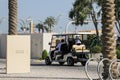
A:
[23,25]
[108,38]
[81,9]
[50,22]
[12,17]
[40,26]
[117,13]
[25,29]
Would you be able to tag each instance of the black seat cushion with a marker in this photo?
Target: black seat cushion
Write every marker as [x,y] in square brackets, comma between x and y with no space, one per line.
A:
[64,48]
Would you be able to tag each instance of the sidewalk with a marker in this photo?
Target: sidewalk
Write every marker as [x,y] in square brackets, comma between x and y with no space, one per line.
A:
[39,71]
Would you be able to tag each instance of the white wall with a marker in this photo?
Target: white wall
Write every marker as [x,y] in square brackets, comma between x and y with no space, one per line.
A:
[46,39]
[36,45]
[39,42]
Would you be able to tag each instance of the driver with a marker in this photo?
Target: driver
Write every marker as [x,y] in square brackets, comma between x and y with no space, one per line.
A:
[58,47]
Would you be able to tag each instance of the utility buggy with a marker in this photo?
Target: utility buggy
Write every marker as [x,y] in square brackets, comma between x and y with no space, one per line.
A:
[70,52]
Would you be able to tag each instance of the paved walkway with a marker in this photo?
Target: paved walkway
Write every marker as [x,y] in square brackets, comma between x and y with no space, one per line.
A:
[39,71]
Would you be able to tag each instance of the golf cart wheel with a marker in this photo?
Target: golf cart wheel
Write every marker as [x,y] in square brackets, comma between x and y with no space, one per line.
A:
[70,61]
[83,63]
[61,63]
[47,61]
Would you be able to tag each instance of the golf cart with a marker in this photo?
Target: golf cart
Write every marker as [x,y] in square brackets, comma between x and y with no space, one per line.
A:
[70,52]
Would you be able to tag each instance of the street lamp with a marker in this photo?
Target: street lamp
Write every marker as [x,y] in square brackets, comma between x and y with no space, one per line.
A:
[68,24]
[30,21]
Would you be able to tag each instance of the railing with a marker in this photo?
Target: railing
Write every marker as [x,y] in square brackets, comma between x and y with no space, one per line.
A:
[99,68]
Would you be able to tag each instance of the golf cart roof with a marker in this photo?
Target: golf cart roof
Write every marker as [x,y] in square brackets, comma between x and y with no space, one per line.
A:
[66,34]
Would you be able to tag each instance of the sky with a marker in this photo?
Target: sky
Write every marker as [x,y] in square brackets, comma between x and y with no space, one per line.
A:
[39,10]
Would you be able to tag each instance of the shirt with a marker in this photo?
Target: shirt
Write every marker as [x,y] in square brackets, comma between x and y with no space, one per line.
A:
[77,41]
[59,46]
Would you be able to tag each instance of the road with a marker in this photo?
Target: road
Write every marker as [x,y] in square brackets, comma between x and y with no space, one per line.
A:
[40,71]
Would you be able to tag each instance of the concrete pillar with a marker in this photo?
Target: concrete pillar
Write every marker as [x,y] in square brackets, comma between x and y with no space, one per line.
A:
[31,27]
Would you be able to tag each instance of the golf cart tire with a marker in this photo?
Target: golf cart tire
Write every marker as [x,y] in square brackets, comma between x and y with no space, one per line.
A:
[70,61]
[61,63]
[47,61]
[83,63]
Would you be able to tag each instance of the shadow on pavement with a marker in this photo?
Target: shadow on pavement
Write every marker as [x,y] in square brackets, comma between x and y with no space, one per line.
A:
[2,72]
[53,78]
[56,65]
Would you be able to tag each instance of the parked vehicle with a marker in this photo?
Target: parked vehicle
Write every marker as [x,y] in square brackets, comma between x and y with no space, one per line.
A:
[70,52]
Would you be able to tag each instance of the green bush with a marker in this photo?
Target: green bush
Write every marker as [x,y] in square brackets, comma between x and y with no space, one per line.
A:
[44,54]
[40,58]
[118,47]
[118,53]
[96,49]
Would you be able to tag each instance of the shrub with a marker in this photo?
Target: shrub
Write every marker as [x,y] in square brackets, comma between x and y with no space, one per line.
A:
[44,54]
[96,49]
[118,53]
[118,47]
[40,58]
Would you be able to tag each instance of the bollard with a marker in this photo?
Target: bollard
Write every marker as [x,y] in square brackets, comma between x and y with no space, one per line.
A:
[86,67]
[98,67]
[115,60]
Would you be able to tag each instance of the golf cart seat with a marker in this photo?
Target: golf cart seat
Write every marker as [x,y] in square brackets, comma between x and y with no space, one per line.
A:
[80,48]
[63,49]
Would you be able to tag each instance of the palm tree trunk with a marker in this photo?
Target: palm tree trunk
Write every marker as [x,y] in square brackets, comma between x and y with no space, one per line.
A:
[95,24]
[108,36]
[12,17]
[94,19]
[42,30]
[50,28]
[39,30]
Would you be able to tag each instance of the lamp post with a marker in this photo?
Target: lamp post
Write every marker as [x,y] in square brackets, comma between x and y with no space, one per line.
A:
[30,22]
[68,24]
